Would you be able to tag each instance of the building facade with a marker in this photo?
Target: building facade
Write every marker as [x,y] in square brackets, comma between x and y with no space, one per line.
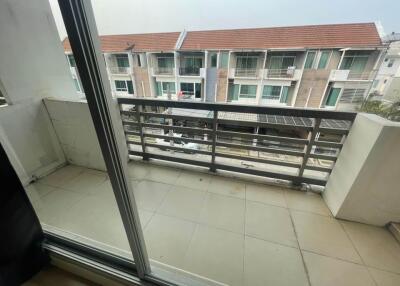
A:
[321,66]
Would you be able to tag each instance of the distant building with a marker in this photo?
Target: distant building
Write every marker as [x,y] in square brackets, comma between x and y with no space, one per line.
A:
[319,66]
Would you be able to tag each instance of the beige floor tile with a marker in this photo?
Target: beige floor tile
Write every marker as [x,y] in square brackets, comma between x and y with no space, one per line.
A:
[267,263]
[323,235]
[216,254]
[145,217]
[183,203]
[166,175]
[223,212]
[56,204]
[383,278]
[138,171]
[168,238]
[270,223]
[36,191]
[198,181]
[62,176]
[377,247]
[265,194]
[85,183]
[327,271]
[308,202]
[227,187]
[149,195]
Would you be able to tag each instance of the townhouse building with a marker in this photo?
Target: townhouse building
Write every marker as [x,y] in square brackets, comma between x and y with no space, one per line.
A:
[318,66]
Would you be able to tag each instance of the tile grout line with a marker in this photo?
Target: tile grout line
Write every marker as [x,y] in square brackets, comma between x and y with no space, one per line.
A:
[298,244]
[355,248]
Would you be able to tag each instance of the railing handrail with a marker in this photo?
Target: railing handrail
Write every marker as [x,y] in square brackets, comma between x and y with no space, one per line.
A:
[279,73]
[164,70]
[119,69]
[283,111]
[189,70]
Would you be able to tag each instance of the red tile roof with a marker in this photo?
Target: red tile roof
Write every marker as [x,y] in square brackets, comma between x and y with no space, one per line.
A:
[142,42]
[315,36]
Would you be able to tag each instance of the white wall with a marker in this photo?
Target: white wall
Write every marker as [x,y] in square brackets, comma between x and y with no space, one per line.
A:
[364,184]
[32,66]
[75,131]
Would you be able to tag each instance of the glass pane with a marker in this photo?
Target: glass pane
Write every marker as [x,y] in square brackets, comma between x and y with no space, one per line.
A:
[122,61]
[275,63]
[233,92]
[224,57]
[309,60]
[214,57]
[332,96]
[285,94]
[323,60]
[130,87]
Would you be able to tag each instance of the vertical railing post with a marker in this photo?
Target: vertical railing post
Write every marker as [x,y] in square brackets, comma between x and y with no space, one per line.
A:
[311,139]
[139,119]
[214,141]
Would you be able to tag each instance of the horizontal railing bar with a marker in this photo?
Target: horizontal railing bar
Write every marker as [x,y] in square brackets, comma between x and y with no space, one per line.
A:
[298,112]
[177,138]
[175,148]
[131,123]
[328,144]
[135,133]
[170,158]
[333,130]
[263,137]
[133,142]
[174,116]
[179,128]
[323,156]
[271,174]
[262,124]
[261,149]
[258,160]
[318,168]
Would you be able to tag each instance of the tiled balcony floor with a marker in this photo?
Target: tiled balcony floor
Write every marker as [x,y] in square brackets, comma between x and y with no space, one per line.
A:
[225,229]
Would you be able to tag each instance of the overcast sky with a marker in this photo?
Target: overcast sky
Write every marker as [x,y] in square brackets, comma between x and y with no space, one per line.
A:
[145,16]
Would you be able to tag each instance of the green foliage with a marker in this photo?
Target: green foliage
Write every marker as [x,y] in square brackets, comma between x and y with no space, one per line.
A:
[389,111]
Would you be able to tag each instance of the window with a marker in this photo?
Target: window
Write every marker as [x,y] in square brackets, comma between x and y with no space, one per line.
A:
[248,91]
[77,86]
[163,88]
[165,62]
[310,60]
[139,62]
[192,61]
[122,60]
[280,62]
[390,63]
[332,97]
[214,58]
[189,89]
[246,62]
[354,61]
[223,61]
[71,60]
[124,86]
[352,95]
[276,93]
[323,60]
[233,92]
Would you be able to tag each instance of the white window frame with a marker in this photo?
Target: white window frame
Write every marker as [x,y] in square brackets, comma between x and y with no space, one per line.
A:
[126,90]
[173,94]
[274,101]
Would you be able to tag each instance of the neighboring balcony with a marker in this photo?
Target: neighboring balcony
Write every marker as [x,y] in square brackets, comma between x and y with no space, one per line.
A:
[119,70]
[192,71]
[244,73]
[289,73]
[163,71]
[348,75]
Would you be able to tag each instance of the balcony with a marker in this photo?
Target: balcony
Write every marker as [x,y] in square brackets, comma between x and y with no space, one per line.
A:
[348,75]
[120,70]
[246,211]
[167,71]
[245,73]
[291,74]
[192,71]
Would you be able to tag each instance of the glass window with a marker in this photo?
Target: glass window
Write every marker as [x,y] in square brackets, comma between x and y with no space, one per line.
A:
[310,60]
[71,61]
[246,62]
[165,62]
[390,63]
[122,61]
[224,58]
[272,92]
[77,86]
[285,94]
[158,89]
[130,86]
[281,62]
[354,62]
[233,92]
[168,87]
[138,60]
[332,96]
[323,60]
[214,58]
[248,91]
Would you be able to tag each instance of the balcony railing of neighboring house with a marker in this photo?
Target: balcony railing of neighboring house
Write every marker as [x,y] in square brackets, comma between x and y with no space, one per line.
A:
[119,70]
[164,71]
[201,133]
[345,75]
[280,73]
[243,72]
[191,71]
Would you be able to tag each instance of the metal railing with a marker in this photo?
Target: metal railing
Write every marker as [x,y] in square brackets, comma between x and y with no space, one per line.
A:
[212,135]
[368,75]
[243,72]
[164,70]
[192,71]
[119,70]
[280,73]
